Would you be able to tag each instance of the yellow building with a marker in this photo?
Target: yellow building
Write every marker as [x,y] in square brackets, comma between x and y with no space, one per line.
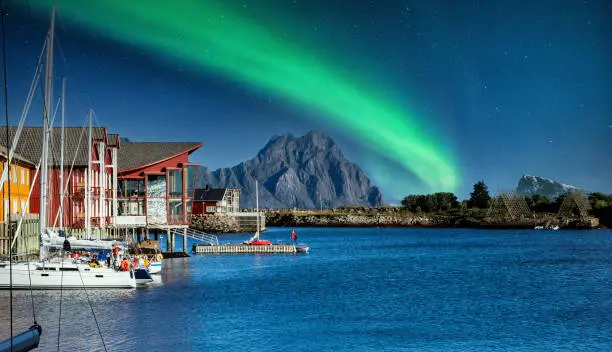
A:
[20,171]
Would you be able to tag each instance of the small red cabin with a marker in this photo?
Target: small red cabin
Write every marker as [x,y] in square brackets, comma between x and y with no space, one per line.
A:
[216,200]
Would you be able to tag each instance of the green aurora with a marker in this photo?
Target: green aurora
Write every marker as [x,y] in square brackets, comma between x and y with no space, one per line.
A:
[216,38]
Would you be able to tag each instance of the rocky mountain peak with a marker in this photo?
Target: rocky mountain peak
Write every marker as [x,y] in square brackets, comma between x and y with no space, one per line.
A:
[300,172]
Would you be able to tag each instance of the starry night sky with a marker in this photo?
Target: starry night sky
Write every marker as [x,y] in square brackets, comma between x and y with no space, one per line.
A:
[469,89]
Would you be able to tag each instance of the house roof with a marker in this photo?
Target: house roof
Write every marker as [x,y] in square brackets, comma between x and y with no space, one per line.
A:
[113,140]
[4,153]
[208,194]
[30,143]
[134,155]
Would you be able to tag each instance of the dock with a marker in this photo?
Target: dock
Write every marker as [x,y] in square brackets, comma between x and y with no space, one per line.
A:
[243,248]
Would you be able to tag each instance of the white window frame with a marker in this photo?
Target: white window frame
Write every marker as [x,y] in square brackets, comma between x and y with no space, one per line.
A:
[22,176]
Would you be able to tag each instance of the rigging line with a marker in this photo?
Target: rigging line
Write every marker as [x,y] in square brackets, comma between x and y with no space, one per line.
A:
[59,322]
[8,165]
[79,74]
[71,169]
[26,108]
[92,310]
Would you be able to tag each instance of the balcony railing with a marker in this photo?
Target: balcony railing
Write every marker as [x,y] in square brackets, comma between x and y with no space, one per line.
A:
[176,219]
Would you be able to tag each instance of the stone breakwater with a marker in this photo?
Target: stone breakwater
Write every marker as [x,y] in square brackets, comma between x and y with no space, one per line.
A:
[215,223]
[396,220]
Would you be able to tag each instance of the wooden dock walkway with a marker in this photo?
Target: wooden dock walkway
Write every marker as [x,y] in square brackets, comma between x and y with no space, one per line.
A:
[243,248]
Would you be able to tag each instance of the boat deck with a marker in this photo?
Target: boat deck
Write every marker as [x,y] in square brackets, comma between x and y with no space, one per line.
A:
[243,248]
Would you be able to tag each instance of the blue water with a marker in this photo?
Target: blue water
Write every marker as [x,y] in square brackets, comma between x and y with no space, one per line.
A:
[358,290]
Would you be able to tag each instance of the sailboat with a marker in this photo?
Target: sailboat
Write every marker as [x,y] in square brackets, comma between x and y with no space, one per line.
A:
[256,240]
[57,272]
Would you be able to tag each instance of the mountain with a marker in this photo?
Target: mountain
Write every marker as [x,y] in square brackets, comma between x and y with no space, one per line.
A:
[300,172]
[530,185]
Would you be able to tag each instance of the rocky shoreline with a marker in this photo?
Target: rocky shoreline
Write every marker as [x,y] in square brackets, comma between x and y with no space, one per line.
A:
[384,219]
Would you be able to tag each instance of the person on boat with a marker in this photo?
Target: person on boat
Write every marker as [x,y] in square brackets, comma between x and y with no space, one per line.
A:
[141,262]
[125,265]
[159,257]
[147,263]
[135,262]
[66,245]
[94,263]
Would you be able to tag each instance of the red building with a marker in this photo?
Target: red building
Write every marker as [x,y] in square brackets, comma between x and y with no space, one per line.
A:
[216,200]
[82,188]
[128,185]
[156,184]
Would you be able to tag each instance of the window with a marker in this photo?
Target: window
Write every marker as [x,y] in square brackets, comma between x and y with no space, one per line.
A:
[14,174]
[211,209]
[130,207]
[130,188]
[191,178]
[14,206]
[175,183]
[23,176]
[23,206]
[176,211]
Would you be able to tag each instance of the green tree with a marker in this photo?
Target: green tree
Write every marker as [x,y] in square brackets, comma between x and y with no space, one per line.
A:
[480,197]
[437,202]
[599,200]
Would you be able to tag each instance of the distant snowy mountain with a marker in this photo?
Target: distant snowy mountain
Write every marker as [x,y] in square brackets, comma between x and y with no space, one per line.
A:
[530,185]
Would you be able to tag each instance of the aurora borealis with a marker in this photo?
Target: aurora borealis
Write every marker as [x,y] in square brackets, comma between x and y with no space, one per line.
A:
[426,96]
[208,34]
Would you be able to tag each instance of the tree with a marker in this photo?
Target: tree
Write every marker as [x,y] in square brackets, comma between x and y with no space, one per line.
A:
[480,197]
[437,202]
[599,200]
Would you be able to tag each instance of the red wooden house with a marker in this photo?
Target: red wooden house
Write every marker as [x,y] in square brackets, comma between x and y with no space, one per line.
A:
[216,200]
[76,177]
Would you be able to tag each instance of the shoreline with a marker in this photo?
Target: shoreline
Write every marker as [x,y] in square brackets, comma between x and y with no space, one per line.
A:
[398,220]
[397,217]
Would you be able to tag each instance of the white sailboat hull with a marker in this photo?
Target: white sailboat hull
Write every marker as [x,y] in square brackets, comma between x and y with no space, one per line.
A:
[75,276]
[155,268]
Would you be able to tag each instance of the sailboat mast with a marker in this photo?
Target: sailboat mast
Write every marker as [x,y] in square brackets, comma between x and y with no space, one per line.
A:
[42,223]
[61,208]
[88,179]
[257,206]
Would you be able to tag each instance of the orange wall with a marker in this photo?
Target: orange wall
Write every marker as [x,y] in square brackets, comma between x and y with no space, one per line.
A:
[20,187]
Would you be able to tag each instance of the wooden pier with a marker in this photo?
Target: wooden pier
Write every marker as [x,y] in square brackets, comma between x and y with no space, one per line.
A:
[243,248]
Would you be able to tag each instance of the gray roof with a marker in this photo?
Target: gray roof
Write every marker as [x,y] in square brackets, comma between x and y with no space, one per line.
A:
[137,154]
[113,139]
[4,153]
[30,143]
[208,194]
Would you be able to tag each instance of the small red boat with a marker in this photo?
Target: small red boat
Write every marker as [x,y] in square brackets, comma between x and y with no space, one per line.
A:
[260,243]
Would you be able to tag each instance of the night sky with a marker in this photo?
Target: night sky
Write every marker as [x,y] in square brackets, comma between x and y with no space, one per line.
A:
[426,96]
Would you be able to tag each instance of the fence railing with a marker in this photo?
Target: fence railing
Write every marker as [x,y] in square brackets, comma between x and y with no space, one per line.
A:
[27,243]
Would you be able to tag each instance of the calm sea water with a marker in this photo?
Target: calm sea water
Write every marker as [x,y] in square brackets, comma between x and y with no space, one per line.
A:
[358,290]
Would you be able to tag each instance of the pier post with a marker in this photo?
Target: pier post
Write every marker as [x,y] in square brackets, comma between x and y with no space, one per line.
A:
[168,244]
[185,240]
